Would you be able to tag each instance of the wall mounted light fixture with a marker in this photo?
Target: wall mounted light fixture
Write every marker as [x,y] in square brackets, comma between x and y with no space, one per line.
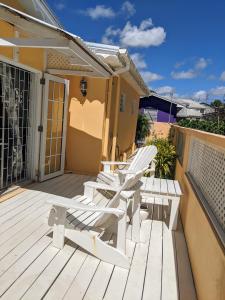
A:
[83,86]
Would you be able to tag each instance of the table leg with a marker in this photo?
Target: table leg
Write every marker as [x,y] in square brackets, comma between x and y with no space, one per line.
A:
[174,213]
[136,220]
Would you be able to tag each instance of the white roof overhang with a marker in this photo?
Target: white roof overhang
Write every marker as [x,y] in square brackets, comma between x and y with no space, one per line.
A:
[67,53]
[119,60]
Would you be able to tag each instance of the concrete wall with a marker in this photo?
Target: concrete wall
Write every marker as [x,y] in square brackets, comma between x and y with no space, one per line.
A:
[127,121]
[85,126]
[86,123]
[159,130]
[206,253]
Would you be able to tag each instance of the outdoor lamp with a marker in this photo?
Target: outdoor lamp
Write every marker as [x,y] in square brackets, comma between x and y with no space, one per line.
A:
[83,87]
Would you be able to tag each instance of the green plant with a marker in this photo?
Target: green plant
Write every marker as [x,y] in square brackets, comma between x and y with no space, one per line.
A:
[205,125]
[142,130]
[165,158]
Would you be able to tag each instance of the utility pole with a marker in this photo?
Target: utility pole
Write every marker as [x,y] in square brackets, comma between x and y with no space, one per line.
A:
[171,99]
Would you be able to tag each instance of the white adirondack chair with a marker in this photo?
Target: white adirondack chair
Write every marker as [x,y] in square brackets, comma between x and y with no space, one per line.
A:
[91,220]
[144,158]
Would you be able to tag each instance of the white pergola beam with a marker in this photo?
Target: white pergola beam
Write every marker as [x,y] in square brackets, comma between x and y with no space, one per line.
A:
[35,43]
[74,73]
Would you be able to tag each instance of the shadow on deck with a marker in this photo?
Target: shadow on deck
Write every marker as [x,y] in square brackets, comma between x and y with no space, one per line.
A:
[30,268]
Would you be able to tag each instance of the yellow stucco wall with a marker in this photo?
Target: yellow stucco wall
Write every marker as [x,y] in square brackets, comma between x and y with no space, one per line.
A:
[85,126]
[206,255]
[112,116]
[159,130]
[6,30]
[29,57]
[127,121]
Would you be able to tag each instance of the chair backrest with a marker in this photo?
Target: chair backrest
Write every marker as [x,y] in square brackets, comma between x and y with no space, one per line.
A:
[114,202]
[143,158]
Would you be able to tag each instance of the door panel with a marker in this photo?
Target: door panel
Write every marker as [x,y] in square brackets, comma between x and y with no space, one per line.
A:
[54,119]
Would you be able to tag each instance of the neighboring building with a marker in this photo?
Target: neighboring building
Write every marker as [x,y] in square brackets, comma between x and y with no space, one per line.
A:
[63,104]
[163,109]
[191,109]
[158,108]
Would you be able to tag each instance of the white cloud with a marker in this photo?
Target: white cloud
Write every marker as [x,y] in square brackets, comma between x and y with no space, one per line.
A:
[128,8]
[110,33]
[200,95]
[184,74]
[218,91]
[145,24]
[202,63]
[60,6]
[99,11]
[149,76]
[165,90]
[139,61]
[133,36]
[222,76]
[199,65]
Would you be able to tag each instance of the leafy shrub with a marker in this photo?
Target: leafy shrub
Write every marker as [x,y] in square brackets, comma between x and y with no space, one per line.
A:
[165,158]
[205,125]
[142,130]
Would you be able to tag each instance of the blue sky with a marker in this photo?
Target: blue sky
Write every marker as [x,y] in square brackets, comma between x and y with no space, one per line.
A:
[178,45]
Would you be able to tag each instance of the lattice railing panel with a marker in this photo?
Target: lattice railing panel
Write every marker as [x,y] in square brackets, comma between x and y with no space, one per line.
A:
[207,169]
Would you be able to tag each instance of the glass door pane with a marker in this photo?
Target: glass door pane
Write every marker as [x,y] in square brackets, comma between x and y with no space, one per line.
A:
[54,127]
[53,153]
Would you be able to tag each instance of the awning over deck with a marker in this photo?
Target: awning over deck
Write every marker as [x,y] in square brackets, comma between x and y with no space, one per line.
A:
[66,53]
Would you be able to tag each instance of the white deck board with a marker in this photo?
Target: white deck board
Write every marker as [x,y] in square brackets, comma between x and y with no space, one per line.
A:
[169,273]
[30,268]
[152,284]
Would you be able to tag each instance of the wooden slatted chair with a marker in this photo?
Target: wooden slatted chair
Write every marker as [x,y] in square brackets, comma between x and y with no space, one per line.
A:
[144,158]
[86,231]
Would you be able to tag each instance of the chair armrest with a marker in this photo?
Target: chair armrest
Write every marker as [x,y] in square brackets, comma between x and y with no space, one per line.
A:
[70,203]
[126,172]
[108,164]
[100,186]
[115,163]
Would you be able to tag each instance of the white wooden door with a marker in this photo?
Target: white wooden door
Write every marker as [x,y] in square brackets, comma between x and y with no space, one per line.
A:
[54,122]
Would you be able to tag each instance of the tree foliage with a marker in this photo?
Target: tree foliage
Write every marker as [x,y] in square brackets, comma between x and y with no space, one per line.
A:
[217,103]
[142,127]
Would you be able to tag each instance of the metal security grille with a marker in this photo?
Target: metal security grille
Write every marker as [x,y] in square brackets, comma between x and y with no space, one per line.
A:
[207,170]
[14,124]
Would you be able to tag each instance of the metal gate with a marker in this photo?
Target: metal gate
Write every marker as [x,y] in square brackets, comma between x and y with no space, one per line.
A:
[14,124]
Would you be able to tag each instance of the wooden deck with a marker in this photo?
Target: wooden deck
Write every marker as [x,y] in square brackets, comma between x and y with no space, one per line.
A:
[30,268]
